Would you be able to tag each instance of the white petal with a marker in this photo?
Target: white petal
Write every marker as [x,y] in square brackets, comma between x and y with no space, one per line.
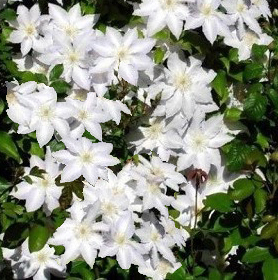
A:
[210,30]
[156,23]
[35,201]
[81,77]
[44,133]
[16,37]
[26,46]
[89,254]
[124,258]
[175,25]
[128,73]
[71,172]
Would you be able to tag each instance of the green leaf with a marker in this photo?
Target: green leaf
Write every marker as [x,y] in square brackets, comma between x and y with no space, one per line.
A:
[256,254]
[4,184]
[256,157]
[56,72]
[27,76]
[242,188]
[7,146]
[56,145]
[253,71]
[36,150]
[214,274]
[162,35]
[81,268]
[270,269]
[273,96]
[15,234]
[236,154]
[270,230]
[2,106]
[226,63]
[8,14]
[220,202]
[37,172]
[258,51]
[179,274]
[233,55]
[220,85]
[159,55]
[260,197]
[197,41]
[233,114]
[60,86]
[254,106]
[38,237]
[262,141]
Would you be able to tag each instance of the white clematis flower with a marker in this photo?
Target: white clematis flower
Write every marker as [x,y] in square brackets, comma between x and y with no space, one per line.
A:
[158,137]
[26,28]
[245,43]
[17,111]
[125,54]
[72,54]
[202,141]
[263,7]
[213,22]
[71,23]
[85,158]
[156,242]
[88,116]
[161,172]
[119,242]
[47,114]
[242,12]
[43,191]
[38,265]
[187,86]
[80,234]
[158,270]
[162,13]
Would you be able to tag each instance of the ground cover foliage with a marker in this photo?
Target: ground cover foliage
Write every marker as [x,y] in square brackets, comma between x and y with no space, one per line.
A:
[139,140]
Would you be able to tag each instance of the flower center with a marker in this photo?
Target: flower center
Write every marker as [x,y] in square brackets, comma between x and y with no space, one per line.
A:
[82,231]
[155,130]
[168,4]
[46,182]
[199,142]
[30,30]
[257,2]
[70,30]
[155,236]
[109,208]
[11,98]
[163,268]
[183,82]
[207,10]
[122,53]
[250,39]
[121,239]
[154,188]
[241,7]
[157,172]
[83,115]
[73,57]
[86,158]
[46,113]
[42,257]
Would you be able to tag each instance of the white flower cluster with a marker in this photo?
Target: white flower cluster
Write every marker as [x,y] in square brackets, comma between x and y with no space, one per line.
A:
[125,214]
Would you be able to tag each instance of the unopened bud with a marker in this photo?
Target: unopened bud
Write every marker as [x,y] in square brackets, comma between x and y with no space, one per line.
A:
[274,156]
